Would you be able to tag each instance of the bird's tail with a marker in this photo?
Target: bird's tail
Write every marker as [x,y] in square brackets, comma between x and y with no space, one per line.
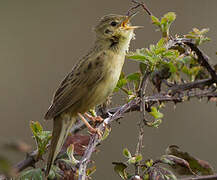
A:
[61,128]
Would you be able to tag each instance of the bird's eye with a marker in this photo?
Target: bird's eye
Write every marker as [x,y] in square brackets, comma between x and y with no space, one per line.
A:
[113,23]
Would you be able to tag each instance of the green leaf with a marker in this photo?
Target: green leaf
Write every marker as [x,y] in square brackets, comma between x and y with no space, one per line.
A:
[155,123]
[33,174]
[41,137]
[172,54]
[138,158]
[137,57]
[35,127]
[196,165]
[172,67]
[55,171]
[70,153]
[198,35]
[127,153]
[132,160]
[90,171]
[121,82]
[182,166]
[106,133]
[149,163]
[170,16]
[161,43]
[160,173]
[155,20]
[155,113]
[143,68]
[120,169]
[134,76]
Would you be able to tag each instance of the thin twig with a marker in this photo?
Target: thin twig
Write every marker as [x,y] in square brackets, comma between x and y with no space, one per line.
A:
[95,139]
[178,94]
[139,4]
[191,85]
[142,89]
[209,177]
[30,160]
[203,59]
[133,105]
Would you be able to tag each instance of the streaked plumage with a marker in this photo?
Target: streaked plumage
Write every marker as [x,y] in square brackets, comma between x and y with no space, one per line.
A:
[91,80]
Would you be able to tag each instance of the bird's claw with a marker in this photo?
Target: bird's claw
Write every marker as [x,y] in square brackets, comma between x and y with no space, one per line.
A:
[96,131]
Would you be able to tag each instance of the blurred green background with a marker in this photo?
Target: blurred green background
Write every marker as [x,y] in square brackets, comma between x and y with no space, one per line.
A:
[41,40]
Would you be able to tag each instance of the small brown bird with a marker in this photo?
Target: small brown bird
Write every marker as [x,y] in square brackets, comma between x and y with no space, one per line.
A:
[91,80]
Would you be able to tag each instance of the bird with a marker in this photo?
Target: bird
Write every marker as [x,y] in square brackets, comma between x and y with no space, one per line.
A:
[91,80]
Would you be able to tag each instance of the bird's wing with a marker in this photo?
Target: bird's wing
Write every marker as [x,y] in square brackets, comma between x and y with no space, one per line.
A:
[83,76]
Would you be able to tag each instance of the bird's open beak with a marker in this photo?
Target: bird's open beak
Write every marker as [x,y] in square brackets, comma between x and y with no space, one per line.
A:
[125,24]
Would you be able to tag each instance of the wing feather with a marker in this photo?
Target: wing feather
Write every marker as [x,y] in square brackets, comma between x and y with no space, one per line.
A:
[74,87]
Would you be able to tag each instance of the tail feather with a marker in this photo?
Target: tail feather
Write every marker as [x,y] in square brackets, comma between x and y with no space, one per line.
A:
[61,128]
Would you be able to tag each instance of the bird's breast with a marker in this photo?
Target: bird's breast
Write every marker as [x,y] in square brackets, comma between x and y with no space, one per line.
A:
[113,63]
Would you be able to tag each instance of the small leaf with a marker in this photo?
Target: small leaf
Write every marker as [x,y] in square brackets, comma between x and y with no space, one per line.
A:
[70,153]
[143,68]
[155,20]
[181,165]
[149,163]
[161,43]
[127,153]
[137,57]
[120,169]
[160,173]
[35,174]
[155,113]
[138,158]
[170,16]
[198,166]
[54,172]
[106,133]
[41,137]
[155,123]
[35,127]
[132,160]
[91,170]
[134,76]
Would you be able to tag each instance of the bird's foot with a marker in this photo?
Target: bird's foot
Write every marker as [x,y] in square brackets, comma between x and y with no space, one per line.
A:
[96,131]
[94,119]
[90,128]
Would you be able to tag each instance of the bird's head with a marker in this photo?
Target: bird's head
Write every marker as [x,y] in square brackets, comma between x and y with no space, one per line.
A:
[115,26]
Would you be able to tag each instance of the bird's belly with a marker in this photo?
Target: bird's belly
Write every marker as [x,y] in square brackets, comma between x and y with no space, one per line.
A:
[106,86]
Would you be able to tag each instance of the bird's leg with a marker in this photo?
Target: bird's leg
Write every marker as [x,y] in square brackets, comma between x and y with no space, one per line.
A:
[90,128]
[93,117]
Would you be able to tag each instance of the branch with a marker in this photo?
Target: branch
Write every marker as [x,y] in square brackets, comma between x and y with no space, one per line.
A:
[30,161]
[143,87]
[209,177]
[134,104]
[137,5]
[118,113]
[95,138]
[202,58]
[192,85]
[175,93]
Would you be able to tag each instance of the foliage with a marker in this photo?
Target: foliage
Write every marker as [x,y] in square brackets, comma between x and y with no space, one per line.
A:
[179,161]
[173,65]
[164,64]
[41,137]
